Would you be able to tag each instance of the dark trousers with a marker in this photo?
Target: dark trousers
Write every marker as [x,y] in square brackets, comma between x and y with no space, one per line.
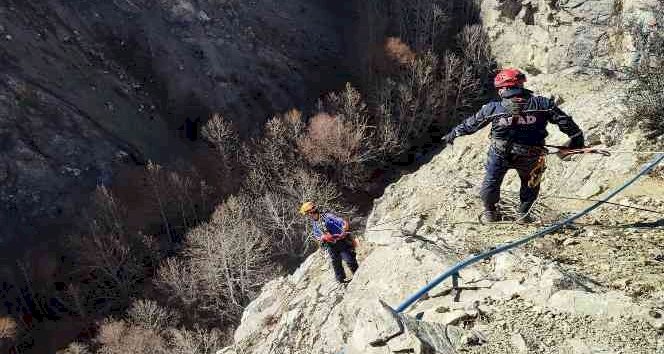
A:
[497,166]
[342,249]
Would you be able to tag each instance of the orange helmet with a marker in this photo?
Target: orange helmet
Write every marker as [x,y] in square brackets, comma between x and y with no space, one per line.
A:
[307,207]
[509,77]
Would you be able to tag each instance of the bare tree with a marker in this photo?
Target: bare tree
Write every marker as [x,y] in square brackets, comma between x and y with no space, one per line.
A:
[109,254]
[175,277]
[221,134]
[227,262]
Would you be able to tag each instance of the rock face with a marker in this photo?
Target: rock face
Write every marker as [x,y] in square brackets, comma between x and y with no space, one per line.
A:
[596,287]
[581,35]
[86,87]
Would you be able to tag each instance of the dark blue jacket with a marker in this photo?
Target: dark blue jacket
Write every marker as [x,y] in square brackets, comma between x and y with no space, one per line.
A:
[519,118]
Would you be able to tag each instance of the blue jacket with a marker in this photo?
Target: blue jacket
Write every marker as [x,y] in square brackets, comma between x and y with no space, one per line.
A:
[519,118]
[327,223]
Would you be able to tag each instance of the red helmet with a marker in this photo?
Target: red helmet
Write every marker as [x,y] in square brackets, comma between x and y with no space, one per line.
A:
[509,77]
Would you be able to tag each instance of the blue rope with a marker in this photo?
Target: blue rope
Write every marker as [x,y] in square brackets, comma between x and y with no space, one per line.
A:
[486,254]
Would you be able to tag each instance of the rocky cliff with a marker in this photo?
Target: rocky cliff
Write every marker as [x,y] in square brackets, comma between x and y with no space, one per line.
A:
[88,87]
[595,287]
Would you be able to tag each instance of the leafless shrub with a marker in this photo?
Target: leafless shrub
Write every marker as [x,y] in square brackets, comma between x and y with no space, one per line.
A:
[118,337]
[341,141]
[396,49]
[199,341]
[476,50]
[149,315]
[408,104]
[221,134]
[181,198]
[174,277]
[109,254]
[647,94]
[645,104]
[431,93]
[229,256]
[274,155]
[421,22]
[344,147]
[76,300]
[77,348]
[286,228]
[439,80]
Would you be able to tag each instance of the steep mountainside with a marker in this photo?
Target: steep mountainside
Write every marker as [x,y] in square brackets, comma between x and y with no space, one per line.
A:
[89,86]
[596,287]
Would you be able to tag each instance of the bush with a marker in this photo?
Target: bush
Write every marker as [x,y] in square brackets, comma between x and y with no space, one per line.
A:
[149,315]
[198,341]
[646,104]
[182,199]
[119,337]
[76,348]
[646,98]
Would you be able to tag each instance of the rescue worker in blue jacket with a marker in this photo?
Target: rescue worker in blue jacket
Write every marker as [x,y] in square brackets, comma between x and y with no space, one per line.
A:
[332,232]
[518,131]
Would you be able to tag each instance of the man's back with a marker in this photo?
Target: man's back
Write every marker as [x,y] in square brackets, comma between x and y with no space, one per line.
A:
[520,118]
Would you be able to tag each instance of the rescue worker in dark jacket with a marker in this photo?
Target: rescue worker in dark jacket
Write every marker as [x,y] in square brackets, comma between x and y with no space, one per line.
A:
[518,131]
[332,232]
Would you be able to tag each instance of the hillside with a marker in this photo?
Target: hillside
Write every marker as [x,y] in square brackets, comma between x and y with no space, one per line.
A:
[90,92]
[598,282]
[155,152]
[91,88]
[596,287]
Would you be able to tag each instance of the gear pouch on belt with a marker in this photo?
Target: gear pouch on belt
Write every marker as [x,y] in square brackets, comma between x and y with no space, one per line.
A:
[537,173]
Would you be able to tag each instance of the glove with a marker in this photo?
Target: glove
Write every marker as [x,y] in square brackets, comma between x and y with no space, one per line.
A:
[576,142]
[327,237]
[449,138]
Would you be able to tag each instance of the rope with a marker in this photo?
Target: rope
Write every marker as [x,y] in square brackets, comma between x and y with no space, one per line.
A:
[646,152]
[564,151]
[454,270]
[390,221]
[610,203]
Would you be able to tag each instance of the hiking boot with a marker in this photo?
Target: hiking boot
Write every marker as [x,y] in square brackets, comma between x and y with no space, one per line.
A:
[490,216]
[525,218]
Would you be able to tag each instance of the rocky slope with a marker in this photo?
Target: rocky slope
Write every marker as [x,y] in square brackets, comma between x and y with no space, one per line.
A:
[89,87]
[596,287]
